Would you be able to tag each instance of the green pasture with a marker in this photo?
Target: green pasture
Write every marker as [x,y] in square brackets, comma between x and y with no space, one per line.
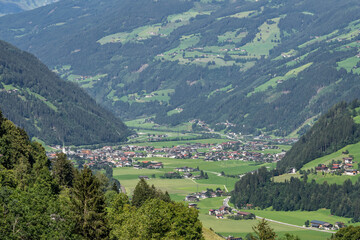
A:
[309,121]
[8,87]
[319,178]
[160,95]
[224,89]
[185,16]
[265,39]
[332,178]
[47,148]
[299,217]
[179,188]
[242,14]
[181,142]
[174,111]
[349,64]
[240,228]
[232,36]
[354,149]
[170,137]
[44,100]
[140,123]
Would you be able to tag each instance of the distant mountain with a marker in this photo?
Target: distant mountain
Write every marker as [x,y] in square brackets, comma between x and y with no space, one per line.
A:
[334,130]
[264,66]
[49,108]
[16,6]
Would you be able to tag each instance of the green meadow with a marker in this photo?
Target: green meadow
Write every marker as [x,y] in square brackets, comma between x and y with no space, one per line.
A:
[299,217]
[179,188]
[241,228]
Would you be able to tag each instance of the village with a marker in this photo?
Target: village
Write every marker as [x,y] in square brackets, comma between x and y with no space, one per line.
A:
[129,155]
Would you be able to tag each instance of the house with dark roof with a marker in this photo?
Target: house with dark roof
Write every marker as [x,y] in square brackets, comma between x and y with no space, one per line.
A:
[321,224]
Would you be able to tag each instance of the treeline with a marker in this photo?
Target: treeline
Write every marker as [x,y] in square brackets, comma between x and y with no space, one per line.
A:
[333,131]
[42,199]
[49,108]
[258,189]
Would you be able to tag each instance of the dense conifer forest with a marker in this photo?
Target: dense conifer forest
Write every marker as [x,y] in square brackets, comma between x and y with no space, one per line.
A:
[42,199]
[259,189]
[333,131]
[49,108]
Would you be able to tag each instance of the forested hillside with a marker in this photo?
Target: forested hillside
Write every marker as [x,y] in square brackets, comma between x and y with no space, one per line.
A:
[270,66]
[15,6]
[66,203]
[333,131]
[258,189]
[49,108]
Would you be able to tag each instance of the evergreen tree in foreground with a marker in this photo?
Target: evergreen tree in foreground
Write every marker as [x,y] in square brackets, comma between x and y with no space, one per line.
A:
[88,206]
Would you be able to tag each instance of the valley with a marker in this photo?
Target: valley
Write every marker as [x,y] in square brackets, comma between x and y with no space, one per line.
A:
[180,119]
[154,154]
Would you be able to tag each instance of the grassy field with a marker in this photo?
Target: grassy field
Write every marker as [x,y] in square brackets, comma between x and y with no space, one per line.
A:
[299,217]
[354,150]
[349,64]
[160,96]
[179,188]
[177,143]
[141,123]
[210,235]
[265,40]
[241,228]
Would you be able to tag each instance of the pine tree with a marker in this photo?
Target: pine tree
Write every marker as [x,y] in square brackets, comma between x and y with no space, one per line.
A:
[63,170]
[88,206]
[264,231]
[142,192]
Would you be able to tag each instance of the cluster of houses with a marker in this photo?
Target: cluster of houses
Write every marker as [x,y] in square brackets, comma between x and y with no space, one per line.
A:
[243,156]
[195,197]
[148,165]
[226,212]
[123,156]
[346,167]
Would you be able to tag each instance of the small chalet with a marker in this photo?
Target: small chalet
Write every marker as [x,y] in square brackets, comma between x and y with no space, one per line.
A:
[211,212]
[219,216]
[335,166]
[192,205]
[351,172]
[243,213]
[339,225]
[321,168]
[191,198]
[348,160]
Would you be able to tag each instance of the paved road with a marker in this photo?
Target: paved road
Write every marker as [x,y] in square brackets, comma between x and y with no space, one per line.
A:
[226,203]
[291,225]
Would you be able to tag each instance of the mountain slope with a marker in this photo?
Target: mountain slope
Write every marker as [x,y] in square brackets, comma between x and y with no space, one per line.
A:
[49,108]
[262,65]
[333,131]
[11,6]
